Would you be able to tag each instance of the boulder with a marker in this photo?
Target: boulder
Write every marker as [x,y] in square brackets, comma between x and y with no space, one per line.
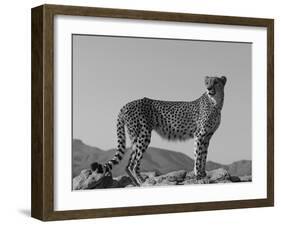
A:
[217,175]
[235,179]
[123,181]
[177,176]
[246,178]
[89,179]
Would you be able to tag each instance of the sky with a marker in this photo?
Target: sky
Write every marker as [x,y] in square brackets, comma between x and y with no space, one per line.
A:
[109,72]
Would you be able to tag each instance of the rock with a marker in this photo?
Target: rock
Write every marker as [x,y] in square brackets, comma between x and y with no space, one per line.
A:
[89,179]
[190,175]
[123,181]
[246,178]
[149,174]
[177,176]
[105,182]
[196,181]
[167,183]
[235,179]
[218,175]
[151,181]
[167,179]
[78,181]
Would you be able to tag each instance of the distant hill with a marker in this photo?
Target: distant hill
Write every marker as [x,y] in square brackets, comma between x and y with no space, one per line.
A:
[155,159]
[240,168]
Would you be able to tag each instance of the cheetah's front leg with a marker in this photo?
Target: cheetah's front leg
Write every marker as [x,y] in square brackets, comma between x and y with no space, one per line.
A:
[200,153]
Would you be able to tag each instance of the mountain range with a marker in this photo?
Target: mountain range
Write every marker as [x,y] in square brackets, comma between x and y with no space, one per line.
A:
[158,160]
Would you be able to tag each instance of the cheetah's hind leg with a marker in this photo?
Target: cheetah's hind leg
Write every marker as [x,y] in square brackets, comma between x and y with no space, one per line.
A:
[133,177]
[139,147]
[133,168]
[129,169]
[138,173]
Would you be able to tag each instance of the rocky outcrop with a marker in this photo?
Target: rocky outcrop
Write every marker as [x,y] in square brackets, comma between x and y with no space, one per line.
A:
[88,179]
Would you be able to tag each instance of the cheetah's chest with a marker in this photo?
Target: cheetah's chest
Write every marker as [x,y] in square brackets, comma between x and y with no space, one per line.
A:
[211,121]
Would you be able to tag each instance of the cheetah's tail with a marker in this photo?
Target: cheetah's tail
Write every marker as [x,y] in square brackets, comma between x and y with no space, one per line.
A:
[121,148]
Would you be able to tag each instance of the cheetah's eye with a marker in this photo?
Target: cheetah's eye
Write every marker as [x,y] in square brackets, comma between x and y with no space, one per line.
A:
[215,82]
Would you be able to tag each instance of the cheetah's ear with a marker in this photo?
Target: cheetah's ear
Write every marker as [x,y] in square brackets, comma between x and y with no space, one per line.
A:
[206,80]
[223,78]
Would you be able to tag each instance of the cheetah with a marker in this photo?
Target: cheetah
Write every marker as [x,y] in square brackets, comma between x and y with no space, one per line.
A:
[172,120]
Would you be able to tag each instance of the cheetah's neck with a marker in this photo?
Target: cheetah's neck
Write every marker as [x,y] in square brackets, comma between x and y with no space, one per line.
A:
[216,101]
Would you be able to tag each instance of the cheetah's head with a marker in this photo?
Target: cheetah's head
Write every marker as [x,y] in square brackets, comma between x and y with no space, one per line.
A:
[215,85]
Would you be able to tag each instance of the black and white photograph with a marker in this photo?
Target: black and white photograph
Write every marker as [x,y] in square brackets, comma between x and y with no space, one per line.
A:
[160,112]
[139,112]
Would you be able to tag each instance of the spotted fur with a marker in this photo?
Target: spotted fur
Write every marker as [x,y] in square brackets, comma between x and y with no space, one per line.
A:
[172,120]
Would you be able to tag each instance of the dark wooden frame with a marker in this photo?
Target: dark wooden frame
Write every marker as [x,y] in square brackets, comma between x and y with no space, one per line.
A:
[42,202]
